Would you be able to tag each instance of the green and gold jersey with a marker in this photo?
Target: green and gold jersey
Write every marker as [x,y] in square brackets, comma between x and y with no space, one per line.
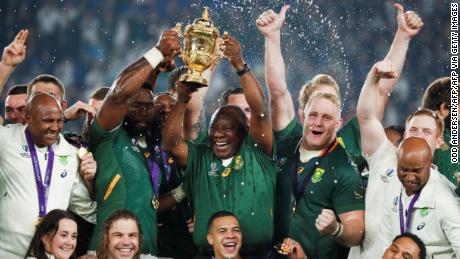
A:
[442,159]
[245,187]
[123,181]
[335,184]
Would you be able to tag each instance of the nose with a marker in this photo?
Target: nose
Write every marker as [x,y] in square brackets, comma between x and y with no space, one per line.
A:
[410,177]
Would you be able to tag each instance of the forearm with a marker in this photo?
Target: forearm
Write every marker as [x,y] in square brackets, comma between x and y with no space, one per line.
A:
[5,72]
[281,104]
[397,55]
[369,96]
[253,93]
[353,233]
[172,130]
[130,80]
[193,114]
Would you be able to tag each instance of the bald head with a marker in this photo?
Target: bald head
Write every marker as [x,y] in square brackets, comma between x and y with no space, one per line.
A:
[44,119]
[414,162]
[41,99]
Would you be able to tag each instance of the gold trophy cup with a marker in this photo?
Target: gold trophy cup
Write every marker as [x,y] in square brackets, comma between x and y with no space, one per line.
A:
[201,48]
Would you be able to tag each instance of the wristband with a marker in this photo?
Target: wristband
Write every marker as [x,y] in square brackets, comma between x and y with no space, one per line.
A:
[154,57]
[338,231]
[178,193]
[244,70]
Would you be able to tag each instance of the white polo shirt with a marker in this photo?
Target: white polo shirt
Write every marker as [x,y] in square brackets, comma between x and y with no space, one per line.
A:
[382,178]
[435,217]
[18,191]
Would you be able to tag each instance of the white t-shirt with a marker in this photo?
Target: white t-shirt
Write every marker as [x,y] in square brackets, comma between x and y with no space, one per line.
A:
[381,180]
[18,191]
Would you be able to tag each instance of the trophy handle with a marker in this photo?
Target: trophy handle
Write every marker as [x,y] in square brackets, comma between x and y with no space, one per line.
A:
[218,54]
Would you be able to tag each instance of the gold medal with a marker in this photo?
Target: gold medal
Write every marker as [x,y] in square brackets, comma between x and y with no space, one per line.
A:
[38,221]
[155,202]
[281,249]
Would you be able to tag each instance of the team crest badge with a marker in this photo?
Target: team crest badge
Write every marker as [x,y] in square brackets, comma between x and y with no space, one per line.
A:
[317,175]
[63,160]
[238,165]
[424,212]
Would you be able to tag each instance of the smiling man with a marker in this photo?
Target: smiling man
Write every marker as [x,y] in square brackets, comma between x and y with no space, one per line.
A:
[224,235]
[406,246]
[234,170]
[38,173]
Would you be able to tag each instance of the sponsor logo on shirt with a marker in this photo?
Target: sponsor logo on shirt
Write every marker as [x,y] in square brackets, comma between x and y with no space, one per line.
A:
[64,174]
[317,175]
[419,227]
[25,152]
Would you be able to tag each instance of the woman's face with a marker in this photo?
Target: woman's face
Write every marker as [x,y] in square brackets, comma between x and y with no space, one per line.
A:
[63,243]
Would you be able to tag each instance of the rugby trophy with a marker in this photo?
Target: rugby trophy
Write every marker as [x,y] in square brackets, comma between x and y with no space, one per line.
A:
[201,49]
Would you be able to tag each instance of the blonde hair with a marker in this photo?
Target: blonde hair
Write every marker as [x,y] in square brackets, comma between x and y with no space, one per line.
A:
[330,97]
[311,86]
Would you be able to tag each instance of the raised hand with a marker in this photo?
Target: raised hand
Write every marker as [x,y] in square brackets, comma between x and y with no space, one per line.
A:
[15,53]
[169,44]
[232,50]
[88,168]
[78,109]
[409,22]
[269,22]
[383,69]
[326,223]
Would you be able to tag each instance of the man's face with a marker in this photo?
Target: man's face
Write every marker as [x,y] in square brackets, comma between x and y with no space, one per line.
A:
[140,110]
[402,248]
[413,172]
[45,122]
[225,237]
[322,89]
[49,88]
[424,126]
[240,101]
[15,108]
[321,124]
[163,106]
[224,136]
[123,239]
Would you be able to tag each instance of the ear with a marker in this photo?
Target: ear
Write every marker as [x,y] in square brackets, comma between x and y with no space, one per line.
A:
[444,110]
[301,114]
[439,141]
[210,239]
[339,124]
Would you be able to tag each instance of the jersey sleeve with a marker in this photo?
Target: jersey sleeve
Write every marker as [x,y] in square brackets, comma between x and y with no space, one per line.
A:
[98,135]
[80,201]
[349,191]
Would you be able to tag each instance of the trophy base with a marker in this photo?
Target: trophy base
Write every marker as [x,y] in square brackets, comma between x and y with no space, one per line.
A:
[194,80]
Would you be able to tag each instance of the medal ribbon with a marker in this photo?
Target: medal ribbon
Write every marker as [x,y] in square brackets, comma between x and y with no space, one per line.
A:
[404,227]
[42,189]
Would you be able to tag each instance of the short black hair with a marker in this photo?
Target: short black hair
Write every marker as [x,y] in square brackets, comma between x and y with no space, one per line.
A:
[174,76]
[397,128]
[100,93]
[17,90]
[219,214]
[44,78]
[417,241]
[224,96]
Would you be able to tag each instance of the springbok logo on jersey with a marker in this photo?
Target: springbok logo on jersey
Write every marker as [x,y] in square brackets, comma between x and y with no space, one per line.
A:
[317,175]
[63,160]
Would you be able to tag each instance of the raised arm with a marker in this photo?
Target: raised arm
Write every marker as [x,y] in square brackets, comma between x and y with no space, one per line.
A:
[409,24]
[13,55]
[282,107]
[372,133]
[261,127]
[130,80]
[172,139]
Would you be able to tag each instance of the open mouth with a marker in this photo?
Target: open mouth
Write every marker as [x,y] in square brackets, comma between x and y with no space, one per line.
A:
[230,247]
[316,132]
[221,146]
[125,252]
